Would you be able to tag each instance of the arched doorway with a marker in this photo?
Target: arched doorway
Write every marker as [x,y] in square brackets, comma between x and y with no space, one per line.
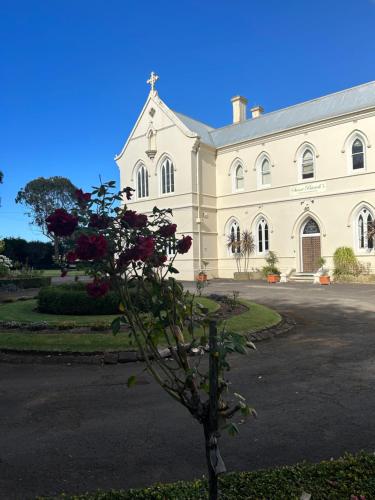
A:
[310,246]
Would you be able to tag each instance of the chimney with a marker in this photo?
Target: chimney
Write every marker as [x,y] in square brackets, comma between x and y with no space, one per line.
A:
[239,108]
[256,111]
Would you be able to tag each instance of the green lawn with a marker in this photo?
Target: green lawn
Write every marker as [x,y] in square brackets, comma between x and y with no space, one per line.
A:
[56,272]
[255,318]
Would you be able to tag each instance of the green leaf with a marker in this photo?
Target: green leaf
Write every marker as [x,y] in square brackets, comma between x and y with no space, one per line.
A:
[232,429]
[115,325]
[131,381]
[173,270]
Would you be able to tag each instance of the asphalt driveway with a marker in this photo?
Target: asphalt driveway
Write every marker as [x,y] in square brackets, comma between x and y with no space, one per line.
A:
[78,428]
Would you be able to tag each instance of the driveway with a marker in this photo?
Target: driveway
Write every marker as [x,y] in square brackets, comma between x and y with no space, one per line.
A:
[78,428]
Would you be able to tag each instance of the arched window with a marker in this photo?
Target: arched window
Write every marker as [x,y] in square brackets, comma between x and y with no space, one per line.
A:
[262,236]
[142,182]
[358,155]
[307,167]
[364,227]
[167,177]
[311,227]
[265,173]
[234,238]
[239,178]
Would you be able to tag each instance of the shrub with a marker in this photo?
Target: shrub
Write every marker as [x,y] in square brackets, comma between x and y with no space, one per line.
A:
[345,262]
[36,282]
[73,299]
[271,268]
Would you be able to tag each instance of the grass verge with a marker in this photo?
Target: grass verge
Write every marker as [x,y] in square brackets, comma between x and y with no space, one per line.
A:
[328,480]
[255,318]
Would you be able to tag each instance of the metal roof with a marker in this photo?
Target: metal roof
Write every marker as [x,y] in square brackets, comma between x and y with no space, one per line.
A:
[340,103]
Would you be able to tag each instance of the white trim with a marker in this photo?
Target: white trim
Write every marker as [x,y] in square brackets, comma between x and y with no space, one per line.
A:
[347,148]
[228,228]
[147,187]
[258,221]
[262,157]
[365,250]
[302,151]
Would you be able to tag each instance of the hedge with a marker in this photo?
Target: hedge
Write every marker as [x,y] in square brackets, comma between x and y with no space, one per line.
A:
[73,299]
[327,480]
[36,282]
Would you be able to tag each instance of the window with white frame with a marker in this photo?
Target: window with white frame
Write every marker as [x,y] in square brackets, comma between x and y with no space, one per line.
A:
[364,227]
[307,165]
[265,173]
[358,154]
[262,236]
[170,248]
[167,176]
[142,182]
[234,237]
[239,180]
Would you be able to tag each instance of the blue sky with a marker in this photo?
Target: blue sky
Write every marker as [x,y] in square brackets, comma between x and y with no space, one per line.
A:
[73,73]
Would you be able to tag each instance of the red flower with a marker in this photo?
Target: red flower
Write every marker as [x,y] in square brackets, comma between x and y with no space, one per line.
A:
[183,245]
[82,197]
[93,247]
[129,192]
[61,223]
[131,254]
[134,220]
[168,231]
[99,221]
[145,247]
[97,288]
[71,256]
[158,260]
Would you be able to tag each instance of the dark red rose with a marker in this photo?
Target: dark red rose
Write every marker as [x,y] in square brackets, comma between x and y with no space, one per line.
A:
[134,220]
[82,197]
[97,288]
[145,247]
[71,256]
[61,223]
[130,254]
[99,221]
[183,245]
[129,192]
[64,272]
[93,247]
[168,231]
[158,260]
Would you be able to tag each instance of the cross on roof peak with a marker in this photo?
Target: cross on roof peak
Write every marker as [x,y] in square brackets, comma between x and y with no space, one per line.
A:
[152,80]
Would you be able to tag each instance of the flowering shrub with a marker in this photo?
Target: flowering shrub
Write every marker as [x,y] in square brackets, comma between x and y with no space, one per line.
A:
[5,266]
[126,252]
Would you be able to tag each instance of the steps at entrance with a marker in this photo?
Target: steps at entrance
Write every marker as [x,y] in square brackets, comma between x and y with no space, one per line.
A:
[302,278]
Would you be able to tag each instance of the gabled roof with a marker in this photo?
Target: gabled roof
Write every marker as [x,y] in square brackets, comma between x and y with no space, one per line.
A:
[340,103]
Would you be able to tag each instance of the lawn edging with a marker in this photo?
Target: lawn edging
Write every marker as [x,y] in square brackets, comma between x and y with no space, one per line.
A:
[349,476]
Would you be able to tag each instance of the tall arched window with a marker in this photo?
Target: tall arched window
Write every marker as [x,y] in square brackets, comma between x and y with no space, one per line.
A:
[358,155]
[265,173]
[262,236]
[234,238]
[239,178]
[142,182]
[167,176]
[364,227]
[307,166]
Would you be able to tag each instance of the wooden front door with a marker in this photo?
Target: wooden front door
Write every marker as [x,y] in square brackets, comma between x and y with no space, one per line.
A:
[310,253]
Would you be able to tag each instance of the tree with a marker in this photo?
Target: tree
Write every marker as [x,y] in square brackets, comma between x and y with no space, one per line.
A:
[1,177]
[42,197]
[127,252]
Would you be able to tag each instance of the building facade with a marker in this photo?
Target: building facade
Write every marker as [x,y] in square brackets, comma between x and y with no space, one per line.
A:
[301,179]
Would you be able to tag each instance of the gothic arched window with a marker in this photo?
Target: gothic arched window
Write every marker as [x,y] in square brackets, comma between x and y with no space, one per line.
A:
[262,236]
[307,166]
[239,178]
[364,227]
[167,177]
[234,237]
[358,155]
[265,173]
[142,182]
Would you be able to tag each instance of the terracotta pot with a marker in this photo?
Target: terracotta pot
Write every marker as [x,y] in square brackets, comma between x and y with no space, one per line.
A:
[273,278]
[201,277]
[324,280]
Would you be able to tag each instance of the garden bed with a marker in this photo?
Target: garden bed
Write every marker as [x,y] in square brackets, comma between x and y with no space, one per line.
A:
[35,282]
[348,477]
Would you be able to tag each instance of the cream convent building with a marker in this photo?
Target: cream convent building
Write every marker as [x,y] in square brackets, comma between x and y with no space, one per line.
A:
[301,179]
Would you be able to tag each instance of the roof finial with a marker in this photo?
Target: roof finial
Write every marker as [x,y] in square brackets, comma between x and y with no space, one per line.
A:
[152,80]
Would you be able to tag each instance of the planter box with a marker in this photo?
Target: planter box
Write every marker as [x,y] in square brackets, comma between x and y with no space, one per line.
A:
[324,280]
[201,277]
[273,278]
[37,282]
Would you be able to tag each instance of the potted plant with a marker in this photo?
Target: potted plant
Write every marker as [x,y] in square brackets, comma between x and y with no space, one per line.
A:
[202,276]
[241,250]
[324,278]
[271,272]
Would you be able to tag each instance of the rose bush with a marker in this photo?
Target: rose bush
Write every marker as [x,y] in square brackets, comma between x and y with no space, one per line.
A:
[133,254]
